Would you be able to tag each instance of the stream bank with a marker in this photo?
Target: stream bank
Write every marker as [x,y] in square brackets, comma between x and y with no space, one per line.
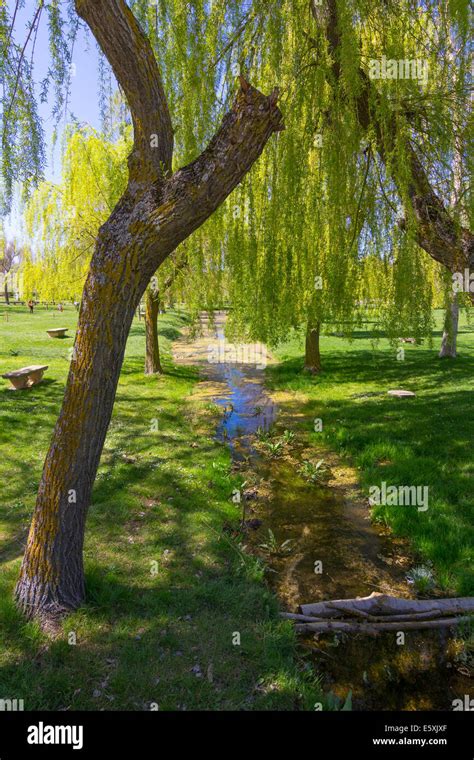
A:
[316,538]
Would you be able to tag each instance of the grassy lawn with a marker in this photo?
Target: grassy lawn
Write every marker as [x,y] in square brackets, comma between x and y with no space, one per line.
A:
[427,440]
[166,591]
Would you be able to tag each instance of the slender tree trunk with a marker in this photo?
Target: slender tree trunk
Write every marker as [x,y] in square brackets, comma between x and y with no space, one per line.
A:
[152,351]
[451,320]
[153,307]
[450,332]
[7,297]
[312,359]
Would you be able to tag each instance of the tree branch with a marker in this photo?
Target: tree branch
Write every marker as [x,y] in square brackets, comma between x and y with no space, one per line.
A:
[436,231]
[169,208]
[194,192]
[131,57]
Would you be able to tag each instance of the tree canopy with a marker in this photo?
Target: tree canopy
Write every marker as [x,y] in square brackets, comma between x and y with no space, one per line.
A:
[362,181]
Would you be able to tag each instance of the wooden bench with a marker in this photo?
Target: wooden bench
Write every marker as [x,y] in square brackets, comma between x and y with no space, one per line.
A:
[58,332]
[26,377]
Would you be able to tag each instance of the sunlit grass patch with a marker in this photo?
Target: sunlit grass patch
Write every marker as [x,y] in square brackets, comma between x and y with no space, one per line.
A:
[426,440]
[167,591]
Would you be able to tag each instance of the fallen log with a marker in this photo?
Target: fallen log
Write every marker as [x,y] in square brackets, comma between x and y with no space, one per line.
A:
[373,629]
[301,618]
[383,605]
[429,615]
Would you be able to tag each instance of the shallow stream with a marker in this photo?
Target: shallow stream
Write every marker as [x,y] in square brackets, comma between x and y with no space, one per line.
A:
[334,552]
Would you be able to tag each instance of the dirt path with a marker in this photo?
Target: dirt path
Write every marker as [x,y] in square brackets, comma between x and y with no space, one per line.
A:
[333,550]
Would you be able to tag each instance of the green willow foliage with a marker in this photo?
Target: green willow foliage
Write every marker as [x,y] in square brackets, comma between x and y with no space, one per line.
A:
[62,220]
[22,144]
[311,211]
[22,156]
[314,233]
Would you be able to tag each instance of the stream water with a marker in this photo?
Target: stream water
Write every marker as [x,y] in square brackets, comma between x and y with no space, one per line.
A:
[334,552]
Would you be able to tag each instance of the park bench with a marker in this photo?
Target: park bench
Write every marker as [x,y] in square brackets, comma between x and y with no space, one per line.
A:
[58,332]
[26,377]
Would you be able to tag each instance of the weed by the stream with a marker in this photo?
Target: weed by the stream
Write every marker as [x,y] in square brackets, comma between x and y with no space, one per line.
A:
[271,546]
[422,578]
[318,472]
[273,447]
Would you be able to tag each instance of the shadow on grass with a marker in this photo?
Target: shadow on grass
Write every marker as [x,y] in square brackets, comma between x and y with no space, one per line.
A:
[426,440]
[168,638]
[378,334]
[172,647]
[141,638]
[42,387]
[421,366]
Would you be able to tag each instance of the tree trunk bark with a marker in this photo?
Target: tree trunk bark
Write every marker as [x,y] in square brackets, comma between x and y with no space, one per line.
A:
[52,575]
[7,297]
[312,359]
[450,332]
[152,351]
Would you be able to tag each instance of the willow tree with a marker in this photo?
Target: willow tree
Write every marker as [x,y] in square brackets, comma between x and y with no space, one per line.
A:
[157,211]
[458,205]
[287,251]
[395,67]
[299,228]
[62,219]
[377,106]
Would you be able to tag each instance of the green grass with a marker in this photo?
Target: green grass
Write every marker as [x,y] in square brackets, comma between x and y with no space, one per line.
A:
[426,440]
[143,637]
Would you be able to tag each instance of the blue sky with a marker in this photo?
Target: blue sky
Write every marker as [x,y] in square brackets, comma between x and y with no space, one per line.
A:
[84,99]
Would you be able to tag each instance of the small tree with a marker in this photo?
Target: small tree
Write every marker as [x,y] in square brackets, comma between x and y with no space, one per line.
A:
[11,255]
[160,285]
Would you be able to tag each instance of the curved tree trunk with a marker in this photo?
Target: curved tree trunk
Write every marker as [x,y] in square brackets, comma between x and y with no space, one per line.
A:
[152,350]
[156,213]
[450,332]
[312,359]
